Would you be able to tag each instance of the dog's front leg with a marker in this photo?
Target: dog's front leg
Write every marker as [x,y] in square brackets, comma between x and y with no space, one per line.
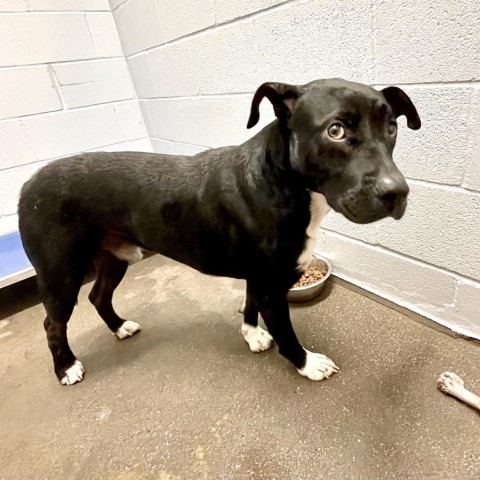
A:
[274,309]
[257,338]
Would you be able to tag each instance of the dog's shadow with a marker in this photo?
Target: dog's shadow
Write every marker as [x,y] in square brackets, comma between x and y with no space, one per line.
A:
[206,331]
[172,326]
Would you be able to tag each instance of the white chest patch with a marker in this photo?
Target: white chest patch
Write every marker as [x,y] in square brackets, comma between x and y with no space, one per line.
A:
[318,210]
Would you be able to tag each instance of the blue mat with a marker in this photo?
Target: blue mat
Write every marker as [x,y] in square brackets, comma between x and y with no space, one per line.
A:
[14,264]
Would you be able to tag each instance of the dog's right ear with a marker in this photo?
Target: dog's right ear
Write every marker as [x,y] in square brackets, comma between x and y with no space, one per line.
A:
[282,96]
[402,105]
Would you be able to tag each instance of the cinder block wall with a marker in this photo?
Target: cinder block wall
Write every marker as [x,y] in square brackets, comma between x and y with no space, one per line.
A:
[195,64]
[64,88]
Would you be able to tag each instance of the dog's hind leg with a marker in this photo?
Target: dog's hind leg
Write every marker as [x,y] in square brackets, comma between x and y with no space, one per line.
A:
[257,338]
[110,272]
[59,297]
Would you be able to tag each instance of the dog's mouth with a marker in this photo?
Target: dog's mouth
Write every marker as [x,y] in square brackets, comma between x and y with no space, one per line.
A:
[364,212]
[356,217]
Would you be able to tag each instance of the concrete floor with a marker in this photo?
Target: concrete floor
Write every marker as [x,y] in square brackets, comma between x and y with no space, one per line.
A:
[185,399]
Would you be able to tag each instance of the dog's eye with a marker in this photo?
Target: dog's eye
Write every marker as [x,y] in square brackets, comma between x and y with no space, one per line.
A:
[336,131]
[392,129]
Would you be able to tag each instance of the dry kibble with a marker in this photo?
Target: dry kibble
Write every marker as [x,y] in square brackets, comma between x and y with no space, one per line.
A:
[312,275]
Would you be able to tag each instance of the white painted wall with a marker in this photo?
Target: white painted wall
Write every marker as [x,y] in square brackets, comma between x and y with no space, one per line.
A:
[195,64]
[64,88]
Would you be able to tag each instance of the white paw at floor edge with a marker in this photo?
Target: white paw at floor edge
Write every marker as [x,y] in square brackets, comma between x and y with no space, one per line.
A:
[127,329]
[317,366]
[74,374]
[257,338]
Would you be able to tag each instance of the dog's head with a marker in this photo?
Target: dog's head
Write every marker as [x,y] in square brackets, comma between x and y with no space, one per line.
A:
[342,136]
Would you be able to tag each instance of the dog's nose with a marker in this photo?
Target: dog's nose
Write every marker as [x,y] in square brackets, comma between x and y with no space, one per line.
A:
[391,192]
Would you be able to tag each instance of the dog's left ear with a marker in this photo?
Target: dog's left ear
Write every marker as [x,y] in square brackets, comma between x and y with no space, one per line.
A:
[402,105]
[282,96]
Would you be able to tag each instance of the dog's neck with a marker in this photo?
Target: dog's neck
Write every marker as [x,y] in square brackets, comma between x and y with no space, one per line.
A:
[280,147]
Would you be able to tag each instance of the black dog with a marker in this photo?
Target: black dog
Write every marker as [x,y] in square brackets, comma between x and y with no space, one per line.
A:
[249,212]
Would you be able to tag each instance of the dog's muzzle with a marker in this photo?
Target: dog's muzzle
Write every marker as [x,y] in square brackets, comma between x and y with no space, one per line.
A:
[393,194]
[374,199]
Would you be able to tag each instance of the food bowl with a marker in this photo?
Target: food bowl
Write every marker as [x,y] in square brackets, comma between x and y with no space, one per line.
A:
[309,292]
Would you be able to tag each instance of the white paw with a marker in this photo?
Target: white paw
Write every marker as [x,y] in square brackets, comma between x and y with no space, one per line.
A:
[74,374]
[317,367]
[127,329]
[257,338]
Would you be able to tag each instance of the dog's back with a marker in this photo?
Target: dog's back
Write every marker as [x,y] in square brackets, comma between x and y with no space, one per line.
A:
[200,210]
